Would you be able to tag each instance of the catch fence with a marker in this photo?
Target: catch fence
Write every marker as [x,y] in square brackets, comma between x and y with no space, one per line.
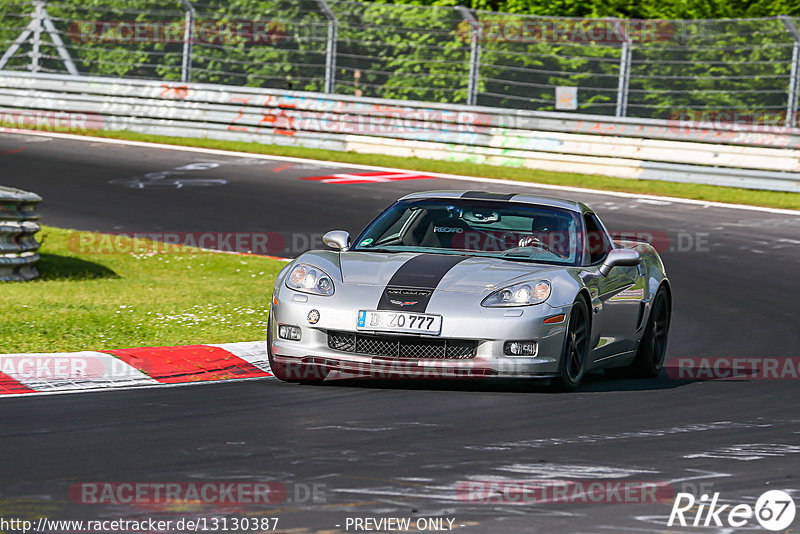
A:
[738,71]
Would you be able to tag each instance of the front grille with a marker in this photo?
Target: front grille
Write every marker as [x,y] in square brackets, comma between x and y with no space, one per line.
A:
[402,346]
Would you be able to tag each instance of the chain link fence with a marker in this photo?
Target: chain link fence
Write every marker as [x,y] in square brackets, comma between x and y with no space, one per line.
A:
[714,70]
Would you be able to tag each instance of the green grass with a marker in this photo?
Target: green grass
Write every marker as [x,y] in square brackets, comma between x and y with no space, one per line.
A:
[733,195]
[152,296]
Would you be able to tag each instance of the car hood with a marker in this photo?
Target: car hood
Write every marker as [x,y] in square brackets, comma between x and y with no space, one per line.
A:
[473,274]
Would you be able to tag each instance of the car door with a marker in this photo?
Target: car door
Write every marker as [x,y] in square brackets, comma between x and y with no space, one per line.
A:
[616,298]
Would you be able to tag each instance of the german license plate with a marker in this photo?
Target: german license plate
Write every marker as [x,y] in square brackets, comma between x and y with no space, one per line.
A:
[390,321]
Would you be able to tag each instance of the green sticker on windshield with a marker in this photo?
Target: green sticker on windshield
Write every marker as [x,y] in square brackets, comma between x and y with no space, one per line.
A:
[366,242]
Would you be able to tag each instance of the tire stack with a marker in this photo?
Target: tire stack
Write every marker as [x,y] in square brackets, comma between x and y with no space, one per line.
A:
[18,225]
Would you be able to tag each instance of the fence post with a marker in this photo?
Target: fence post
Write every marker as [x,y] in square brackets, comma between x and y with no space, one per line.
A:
[34,28]
[36,53]
[188,40]
[624,78]
[791,104]
[330,50]
[62,50]
[26,33]
[475,34]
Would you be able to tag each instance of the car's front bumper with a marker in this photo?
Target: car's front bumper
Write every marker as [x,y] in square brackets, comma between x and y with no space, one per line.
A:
[490,328]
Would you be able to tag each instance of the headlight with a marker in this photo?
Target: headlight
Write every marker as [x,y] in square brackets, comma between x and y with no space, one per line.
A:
[309,279]
[523,294]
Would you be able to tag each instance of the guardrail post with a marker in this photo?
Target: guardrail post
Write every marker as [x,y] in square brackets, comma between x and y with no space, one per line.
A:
[475,35]
[330,50]
[188,40]
[791,104]
[624,79]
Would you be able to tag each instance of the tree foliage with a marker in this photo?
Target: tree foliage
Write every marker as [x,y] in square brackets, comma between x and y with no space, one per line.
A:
[421,50]
[633,9]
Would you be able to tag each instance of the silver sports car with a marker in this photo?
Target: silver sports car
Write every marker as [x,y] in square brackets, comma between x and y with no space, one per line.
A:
[457,284]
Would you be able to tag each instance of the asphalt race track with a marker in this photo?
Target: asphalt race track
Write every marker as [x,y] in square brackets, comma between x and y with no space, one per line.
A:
[401,449]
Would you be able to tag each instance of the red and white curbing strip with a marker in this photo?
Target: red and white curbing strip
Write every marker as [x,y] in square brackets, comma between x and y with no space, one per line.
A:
[147,366]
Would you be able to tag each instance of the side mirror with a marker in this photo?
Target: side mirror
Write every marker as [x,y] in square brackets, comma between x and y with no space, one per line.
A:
[337,239]
[619,256]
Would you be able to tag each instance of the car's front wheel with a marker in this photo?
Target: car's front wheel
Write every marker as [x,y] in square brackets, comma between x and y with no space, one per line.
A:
[575,352]
[653,346]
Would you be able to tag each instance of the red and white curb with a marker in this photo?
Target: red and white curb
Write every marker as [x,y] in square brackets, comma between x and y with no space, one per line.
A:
[123,368]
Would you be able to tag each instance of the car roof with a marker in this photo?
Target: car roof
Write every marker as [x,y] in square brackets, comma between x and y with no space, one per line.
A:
[538,200]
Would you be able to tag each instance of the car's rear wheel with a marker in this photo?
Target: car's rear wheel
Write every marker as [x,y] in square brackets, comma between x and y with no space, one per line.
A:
[575,352]
[304,374]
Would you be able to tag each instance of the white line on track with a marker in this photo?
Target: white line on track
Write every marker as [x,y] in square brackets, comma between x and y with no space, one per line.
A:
[132,388]
[230,153]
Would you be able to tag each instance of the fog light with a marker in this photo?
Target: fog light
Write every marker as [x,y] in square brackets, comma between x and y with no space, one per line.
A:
[313,316]
[520,348]
[291,333]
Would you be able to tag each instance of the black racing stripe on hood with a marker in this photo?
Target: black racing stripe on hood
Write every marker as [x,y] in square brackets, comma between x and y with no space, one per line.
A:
[412,285]
[485,195]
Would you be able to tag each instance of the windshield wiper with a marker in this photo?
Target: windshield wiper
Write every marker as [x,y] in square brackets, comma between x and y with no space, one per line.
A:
[378,250]
[508,257]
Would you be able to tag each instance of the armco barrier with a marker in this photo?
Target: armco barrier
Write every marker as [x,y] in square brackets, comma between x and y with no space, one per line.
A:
[728,154]
[17,227]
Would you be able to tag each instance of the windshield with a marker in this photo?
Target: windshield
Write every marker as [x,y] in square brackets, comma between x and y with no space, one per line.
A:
[481,228]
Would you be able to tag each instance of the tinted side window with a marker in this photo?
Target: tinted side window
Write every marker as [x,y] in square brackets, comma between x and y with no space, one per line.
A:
[597,243]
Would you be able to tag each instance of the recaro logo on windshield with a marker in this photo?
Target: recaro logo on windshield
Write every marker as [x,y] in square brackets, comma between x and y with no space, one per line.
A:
[447,230]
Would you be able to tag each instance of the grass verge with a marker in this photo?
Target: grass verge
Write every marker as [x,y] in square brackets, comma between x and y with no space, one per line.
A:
[153,295]
[732,195]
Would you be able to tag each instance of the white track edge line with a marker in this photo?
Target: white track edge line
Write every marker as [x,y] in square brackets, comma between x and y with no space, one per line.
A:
[123,388]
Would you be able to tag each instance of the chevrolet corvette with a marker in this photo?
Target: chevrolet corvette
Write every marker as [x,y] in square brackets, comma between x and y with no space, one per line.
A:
[458,284]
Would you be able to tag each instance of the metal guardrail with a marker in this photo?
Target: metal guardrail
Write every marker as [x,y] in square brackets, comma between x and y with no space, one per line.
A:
[17,228]
[620,147]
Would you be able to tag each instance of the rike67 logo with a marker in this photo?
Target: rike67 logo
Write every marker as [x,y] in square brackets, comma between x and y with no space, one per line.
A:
[774,510]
